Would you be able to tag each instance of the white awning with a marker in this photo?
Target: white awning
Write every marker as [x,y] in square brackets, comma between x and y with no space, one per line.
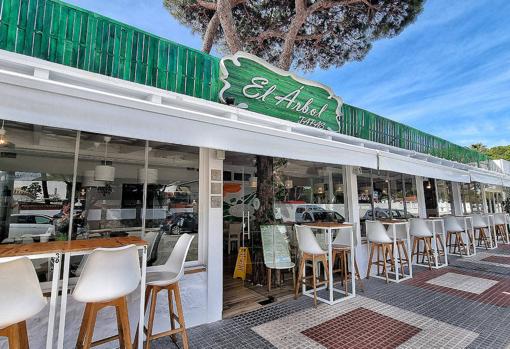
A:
[485,177]
[506,181]
[408,165]
[79,100]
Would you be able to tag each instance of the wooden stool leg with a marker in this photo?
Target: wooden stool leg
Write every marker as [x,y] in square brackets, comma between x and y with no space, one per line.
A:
[90,323]
[358,274]
[171,312]
[124,328]
[400,260]
[180,316]
[300,276]
[345,269]
[152,312]
[379,247]
[428,249]
[13,336]
[23,334]
[83,327]
[268,279]
[370,259]
[385,253]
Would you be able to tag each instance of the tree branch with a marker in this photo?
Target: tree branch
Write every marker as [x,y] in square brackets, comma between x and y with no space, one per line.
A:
[207,5]
[210,33]
[224,11]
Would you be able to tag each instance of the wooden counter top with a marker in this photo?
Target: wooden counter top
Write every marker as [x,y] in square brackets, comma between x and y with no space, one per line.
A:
[329,225]
[17,250]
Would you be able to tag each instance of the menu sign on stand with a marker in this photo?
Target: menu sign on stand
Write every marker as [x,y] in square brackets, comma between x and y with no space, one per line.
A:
[255,85]
[275,245]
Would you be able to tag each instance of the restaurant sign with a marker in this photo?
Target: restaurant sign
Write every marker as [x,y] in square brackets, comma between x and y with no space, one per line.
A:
[253,84]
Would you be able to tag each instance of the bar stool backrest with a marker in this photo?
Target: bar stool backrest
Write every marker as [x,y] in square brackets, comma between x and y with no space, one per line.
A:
[20,293]
[175,263]
[376,232]
[307,241]
[479,221]
[343,237]
[451,224]
[419,227]
[500,218]
[109,273]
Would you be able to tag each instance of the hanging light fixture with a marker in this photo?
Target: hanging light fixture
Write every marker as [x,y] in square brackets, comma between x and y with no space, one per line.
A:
[105,172]
[253,182]
[152,175]
[3,139]
[339,188]
[289,184]
[319,188]
[429,185]
[89,181]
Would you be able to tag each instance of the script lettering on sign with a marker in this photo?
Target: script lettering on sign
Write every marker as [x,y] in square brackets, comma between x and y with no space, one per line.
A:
[258,86]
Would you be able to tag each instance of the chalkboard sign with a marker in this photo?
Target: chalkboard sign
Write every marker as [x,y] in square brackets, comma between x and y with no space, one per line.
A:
[275,245]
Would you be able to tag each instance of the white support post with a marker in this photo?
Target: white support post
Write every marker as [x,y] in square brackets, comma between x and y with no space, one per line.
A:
[351,199]
[457,199]
[211,231]
[420,193]
[485,208]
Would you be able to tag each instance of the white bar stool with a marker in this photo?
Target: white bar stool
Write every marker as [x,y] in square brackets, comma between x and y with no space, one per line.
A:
[341,247]
[454,229]
[378,238]
[420,231]
[501,227]
[21,298]
[109,275]
[310,251]
[166,277]
[481,225]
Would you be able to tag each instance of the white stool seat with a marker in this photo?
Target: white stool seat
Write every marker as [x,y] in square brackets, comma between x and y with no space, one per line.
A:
[451,224]
[377,233]
[108,274]
[162,278]
[20,293]
[499,218]
[307,241]
[479,222]
[418,227]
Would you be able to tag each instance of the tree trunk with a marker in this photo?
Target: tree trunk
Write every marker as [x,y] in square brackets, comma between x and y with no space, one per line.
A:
[46,196]
[224,11]
[264,215]
[210,33]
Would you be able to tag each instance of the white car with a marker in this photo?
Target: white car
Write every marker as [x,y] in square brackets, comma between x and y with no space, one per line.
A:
[29,225]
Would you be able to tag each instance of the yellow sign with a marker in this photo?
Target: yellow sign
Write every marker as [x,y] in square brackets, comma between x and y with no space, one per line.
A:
[243,264]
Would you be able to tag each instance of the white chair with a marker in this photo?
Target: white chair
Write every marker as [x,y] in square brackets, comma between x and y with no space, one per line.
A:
[455,229]
[378,238]
[481,225]
[500,223]
[341,247]
[166,277]
[421,232]
[234,235]
[20,299]
[108,276]
[310,251]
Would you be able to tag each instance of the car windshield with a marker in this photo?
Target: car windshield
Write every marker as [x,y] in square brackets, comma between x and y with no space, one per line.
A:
[326,216]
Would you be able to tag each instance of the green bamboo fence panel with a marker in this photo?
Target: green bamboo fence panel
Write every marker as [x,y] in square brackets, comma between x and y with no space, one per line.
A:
[58,32]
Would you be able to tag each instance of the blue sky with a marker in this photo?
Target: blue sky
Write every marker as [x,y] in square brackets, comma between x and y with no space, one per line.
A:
[447,74]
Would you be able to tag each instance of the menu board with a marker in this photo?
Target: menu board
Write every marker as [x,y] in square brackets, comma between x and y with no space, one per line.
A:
[275,245]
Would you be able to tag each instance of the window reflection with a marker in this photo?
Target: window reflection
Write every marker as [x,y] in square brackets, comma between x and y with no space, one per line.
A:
[36,176]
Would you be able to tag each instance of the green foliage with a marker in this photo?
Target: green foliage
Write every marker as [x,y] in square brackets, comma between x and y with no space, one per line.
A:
[334,33]
[495,153]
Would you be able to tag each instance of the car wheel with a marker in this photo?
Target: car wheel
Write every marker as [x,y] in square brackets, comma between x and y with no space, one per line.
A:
[176,230]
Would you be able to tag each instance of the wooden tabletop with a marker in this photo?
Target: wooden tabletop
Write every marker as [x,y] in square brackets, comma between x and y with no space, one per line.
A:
[392,221]
[329,225]
[17,250]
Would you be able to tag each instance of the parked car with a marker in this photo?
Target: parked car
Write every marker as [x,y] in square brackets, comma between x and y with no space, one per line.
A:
[180,223]
[30,224]
[384,213]
[314,213]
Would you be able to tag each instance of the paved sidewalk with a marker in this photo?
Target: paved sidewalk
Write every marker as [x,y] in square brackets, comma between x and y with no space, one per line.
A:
[466,305]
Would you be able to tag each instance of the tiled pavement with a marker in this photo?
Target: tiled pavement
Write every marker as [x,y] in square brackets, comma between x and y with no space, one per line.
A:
[466,305]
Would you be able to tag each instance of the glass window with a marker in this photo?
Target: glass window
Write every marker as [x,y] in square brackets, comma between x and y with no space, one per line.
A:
[308,192]
[172,199]
[36,175]
[444,197]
